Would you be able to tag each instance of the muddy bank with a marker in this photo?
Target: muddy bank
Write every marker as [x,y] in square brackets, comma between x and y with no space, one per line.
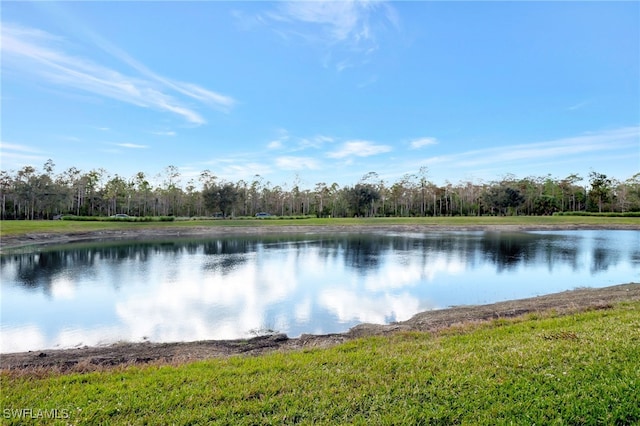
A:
[92,358]
[38,240]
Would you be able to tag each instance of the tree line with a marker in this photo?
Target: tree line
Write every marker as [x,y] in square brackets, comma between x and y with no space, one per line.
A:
[32,194]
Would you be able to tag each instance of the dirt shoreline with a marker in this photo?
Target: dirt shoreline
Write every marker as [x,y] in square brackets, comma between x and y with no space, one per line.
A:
[94,358]
[39,240]
[122,354]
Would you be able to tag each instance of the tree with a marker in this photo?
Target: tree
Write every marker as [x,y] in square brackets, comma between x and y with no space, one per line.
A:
[191,197]
[25,189]
[32,194]
[631,187]
[600,192]
[503,198]
[361,198]
[220,198]
[242,188]
[90,184]
[69,185]
[571,192]
[207,179]
[322,193]
[143,192]
[255,191]
[423,173]
[115,193]
[6,183]
[169,195]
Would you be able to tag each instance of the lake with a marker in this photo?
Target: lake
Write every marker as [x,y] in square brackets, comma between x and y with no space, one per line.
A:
[238,287]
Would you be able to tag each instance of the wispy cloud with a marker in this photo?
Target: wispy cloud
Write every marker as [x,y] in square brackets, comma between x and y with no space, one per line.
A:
[18,147]
[584,150]
[110,151]
[166,133]
[72,139]
[279,141]
[422,142]
[131,145]
[592,142]
[16,155]
[294,143]
[371,80]
[359,148]
[201,94]
[238,166]
[579,105]
[36,52]
[297,163]
[317,141]
[340,27]
[340,21]
[235,172]
[276,144]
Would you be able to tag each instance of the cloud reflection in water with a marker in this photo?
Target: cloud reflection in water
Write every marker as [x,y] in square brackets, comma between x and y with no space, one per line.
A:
[225,288]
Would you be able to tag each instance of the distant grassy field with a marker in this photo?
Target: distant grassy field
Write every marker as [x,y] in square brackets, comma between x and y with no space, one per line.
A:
[542,369]
[18,227]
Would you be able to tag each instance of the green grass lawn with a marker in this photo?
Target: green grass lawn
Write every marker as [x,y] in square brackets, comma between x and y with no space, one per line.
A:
[578,369]
[19,227]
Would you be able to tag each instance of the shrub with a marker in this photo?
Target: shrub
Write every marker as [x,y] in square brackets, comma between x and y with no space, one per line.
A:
[604,214]
[119,219]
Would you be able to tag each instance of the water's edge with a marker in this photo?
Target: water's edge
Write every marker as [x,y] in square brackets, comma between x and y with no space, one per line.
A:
[92,358]
[35,241]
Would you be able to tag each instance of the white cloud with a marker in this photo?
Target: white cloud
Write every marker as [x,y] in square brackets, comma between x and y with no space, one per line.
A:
[175,313]
[16,156]
[167,133]
[70,139]
[314,142]
[189,89]
[17,147]
[202,94]
[63,288]
[21,339]
[297,163]
[554,149]
[359,148]
[131,145]
[235,172]
[111,151]
[298,144]
[281,138]
[36,52]
[579,105]
[375,308]
[422,142]
[371,80]
[340,20]
[342,28]
[577,154]
[246,22]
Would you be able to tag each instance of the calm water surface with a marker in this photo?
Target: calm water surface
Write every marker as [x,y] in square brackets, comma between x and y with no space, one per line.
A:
[235,287]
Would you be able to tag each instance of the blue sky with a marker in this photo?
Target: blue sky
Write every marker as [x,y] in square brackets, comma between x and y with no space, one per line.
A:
[311,92]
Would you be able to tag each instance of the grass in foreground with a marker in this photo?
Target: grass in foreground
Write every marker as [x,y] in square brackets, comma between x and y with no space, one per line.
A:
[577,369]
[21,227]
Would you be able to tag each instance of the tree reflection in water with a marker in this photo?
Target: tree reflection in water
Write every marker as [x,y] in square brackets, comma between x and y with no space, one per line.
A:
[223,287]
